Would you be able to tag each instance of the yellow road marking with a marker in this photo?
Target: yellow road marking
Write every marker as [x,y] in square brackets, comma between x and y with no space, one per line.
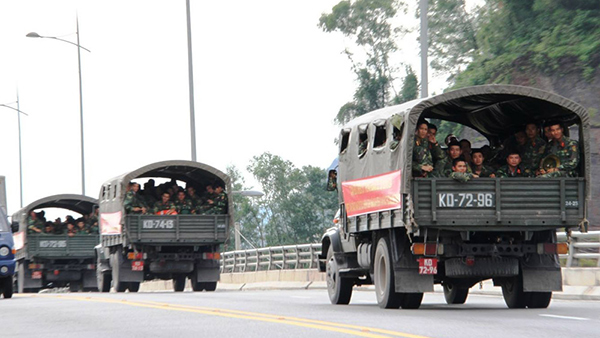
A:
[350,329]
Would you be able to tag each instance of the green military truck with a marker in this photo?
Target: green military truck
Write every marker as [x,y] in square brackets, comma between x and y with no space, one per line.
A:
[404,234]
[56,260]
[141,247]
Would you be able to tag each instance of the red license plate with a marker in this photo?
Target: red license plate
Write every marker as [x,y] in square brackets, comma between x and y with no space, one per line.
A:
[36,274]
[137,266]
[428,266]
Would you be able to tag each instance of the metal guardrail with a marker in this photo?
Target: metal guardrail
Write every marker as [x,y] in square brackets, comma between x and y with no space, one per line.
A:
[306,256]
[289,257]
[581,246]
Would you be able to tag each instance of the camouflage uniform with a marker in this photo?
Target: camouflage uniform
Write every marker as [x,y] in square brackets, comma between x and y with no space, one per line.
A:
[520,171]
[34,223]
[437,153]
[567,151]
[219,205]
[532,153]
[132,200]
[160,206]
[362,148]
[184,206]
[444,168]
[461,177]
[486,171]
[421,156]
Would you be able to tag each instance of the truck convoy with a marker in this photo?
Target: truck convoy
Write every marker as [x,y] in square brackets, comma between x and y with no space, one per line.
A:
[54,259]
[404,233]
[142,245]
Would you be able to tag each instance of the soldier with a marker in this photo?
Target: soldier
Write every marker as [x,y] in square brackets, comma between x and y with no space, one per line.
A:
[465,149]
[34,223]
[133,203]
[196,200]
[165,206]
[565,149]
[422,162]
[362,147]
[71,230]
[459,171]
[444,168]
[547,134]
[437,153]
[49,228]
[218,205]
[183,205]
[513,166]
[478,167]
[534,147]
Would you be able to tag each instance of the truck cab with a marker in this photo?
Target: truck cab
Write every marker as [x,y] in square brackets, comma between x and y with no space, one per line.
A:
[7,257]
[404,233]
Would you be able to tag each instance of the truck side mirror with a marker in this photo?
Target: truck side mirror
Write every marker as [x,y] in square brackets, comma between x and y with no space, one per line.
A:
[14,227]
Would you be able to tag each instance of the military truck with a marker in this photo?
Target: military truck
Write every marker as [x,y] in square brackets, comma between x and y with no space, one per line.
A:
[404,234]
[145,246]
[56,260]
[7,249]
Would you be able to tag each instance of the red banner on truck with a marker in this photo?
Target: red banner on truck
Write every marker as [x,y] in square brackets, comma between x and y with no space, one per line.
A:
[372,194]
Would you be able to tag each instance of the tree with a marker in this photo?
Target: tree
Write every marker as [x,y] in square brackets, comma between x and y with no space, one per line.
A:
[246,212]
[368,22]
[410,87]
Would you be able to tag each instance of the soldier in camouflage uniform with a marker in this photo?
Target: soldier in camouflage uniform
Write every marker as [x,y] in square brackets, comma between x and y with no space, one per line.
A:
[533,149]
[134,203]
[444,167]
[362,147]
[437,153]
[478,167]
[191,193]
[566,150]
[459,171]
[183,205]
[218,205]
[422,162]
[164,206]
[34,223]
[513,166]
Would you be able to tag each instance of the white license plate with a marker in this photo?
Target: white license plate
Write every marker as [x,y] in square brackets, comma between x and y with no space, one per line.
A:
[428,266]
[466,200]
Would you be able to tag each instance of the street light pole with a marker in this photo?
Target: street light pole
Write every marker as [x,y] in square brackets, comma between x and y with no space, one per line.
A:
[19,112]
[191,81]
[79,47]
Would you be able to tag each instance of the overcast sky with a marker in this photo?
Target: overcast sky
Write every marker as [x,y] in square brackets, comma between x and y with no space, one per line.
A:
[266,78]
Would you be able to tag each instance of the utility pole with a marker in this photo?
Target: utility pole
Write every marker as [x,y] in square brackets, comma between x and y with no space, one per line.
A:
[424,48]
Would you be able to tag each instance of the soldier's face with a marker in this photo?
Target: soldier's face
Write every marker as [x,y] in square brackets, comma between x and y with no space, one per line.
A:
[477,158]
[181,196]
[547,132]
[219,190]
[165,197]
[191,191]
[513,160]
[422,131]
[556,132]
[531,131]
[520,137]
[432,132]
[135,187]
[461,167]
[454,152]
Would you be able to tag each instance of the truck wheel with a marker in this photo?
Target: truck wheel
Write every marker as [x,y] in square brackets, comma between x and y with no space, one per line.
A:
[133,286]
[455,294]
[385,288]
[75,286]
[178,283]
[104,279]
[115,262]
[539,300]
[7,287]
[512,291]
[339,289]
[411,300]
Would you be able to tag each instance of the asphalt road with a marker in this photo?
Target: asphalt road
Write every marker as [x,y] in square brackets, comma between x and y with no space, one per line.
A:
[283,313]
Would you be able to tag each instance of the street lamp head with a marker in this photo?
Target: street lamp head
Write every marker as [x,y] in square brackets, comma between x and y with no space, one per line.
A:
[33,35]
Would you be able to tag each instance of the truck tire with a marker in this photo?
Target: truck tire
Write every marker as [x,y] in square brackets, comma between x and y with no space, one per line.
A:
[455,294]
[75,286]
[411,300]
[209,286]
[339,289]
[7,287]
[115,262]
[178,283]
[104,278]
[133,286]
[385,288]
[512,291]
[539,300]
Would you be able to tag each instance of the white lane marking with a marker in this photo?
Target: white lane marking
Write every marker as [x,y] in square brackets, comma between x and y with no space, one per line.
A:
[565,317]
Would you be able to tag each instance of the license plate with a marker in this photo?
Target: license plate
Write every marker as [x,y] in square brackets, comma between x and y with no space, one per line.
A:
[36,274]
[428,266]
[466,200]
[137,266]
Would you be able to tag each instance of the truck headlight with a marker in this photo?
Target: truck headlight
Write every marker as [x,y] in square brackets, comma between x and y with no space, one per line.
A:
[4,269]
[4,251]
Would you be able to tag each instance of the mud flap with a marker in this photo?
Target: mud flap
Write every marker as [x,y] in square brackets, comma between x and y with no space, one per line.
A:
[541,273]
[89,279]
[207,271]
[410,281]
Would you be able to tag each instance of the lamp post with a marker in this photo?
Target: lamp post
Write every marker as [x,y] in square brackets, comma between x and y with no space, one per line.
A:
[19,112]
[79,47]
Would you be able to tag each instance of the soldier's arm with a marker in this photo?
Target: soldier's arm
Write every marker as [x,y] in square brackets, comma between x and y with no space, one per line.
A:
[572,159]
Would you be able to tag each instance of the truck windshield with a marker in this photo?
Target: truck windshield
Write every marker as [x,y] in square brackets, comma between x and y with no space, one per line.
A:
[3,222]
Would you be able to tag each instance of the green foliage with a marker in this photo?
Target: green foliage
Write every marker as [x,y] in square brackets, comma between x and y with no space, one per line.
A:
[368,23]
[544,35]
[410,87]
[296,207]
